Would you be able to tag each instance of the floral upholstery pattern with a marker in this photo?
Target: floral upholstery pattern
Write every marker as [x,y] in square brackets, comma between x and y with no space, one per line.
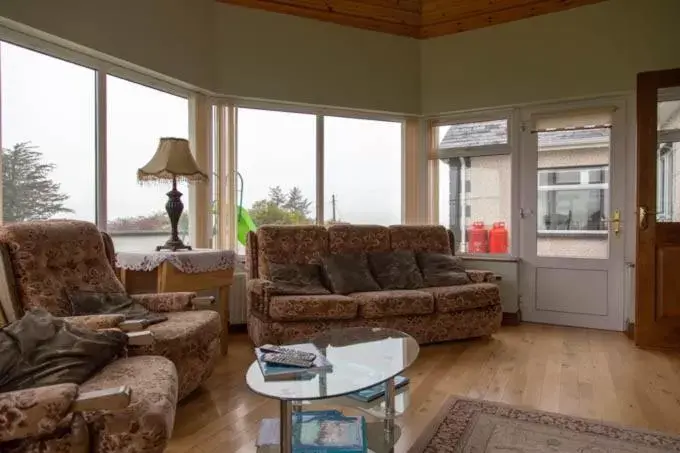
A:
[420,238]
[51,257]
[191,340]
[425,329]
[145,425]
[289,244]
[258,295]
[95,322]
[312,307]
[380,304]
[463,297]
[396,269]
[481,276]
[358,238]
[165,302]
[35,412]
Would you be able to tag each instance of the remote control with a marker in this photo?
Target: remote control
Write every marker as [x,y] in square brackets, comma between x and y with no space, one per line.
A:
[308,356]
[286,360]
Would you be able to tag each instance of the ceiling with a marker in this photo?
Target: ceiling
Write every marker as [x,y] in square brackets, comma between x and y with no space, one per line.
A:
[415,18]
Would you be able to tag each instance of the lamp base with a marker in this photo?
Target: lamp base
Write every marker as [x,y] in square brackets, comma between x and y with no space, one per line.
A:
[173,246]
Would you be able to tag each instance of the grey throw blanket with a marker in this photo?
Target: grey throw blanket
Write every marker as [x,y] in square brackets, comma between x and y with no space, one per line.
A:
[94,303]
[39,350]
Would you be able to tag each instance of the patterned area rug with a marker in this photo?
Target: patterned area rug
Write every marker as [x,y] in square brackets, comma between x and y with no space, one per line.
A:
[466,426]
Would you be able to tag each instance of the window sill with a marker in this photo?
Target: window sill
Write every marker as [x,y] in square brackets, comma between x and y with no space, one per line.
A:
[489,257]
[574,234]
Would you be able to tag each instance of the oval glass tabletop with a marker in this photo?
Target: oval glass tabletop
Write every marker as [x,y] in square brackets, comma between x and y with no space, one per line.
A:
[361,357]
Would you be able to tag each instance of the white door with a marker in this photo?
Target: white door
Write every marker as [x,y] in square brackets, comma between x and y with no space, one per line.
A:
[572,162]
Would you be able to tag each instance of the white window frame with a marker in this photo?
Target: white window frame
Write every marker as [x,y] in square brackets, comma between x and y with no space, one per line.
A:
[509,148]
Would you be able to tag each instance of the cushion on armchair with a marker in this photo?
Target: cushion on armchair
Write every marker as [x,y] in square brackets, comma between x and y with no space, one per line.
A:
[291,279]
[97,303]
[39,350]
[442,269]
[396,270]
[349,273]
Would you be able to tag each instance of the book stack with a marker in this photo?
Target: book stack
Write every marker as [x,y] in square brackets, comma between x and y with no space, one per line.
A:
[317,432]
[298,361]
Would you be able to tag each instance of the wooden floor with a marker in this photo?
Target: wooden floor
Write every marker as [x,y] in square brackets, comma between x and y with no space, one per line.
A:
[588,373]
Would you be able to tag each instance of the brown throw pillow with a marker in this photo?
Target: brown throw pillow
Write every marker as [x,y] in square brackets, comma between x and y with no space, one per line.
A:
[396,270]
[292,279]
[442,269]
[96,303]
[349,273]
[39,350]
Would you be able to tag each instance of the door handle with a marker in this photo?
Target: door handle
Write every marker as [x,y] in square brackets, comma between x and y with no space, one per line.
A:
[615,222]
[643,214]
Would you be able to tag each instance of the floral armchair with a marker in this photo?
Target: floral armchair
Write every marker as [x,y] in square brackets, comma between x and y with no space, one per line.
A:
[41,260]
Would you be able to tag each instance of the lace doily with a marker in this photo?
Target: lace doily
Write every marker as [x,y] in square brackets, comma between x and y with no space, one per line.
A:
[187,261]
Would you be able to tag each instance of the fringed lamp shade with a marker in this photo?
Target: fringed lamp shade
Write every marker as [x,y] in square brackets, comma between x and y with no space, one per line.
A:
[173,160]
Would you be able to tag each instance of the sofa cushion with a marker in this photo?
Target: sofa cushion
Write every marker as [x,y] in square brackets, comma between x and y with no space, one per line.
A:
[450,299]
[396,269]
[296,279]
[312,308]
[381,304]
[298,244]
[349,273]
[420,238]
[358,238]
[442,269]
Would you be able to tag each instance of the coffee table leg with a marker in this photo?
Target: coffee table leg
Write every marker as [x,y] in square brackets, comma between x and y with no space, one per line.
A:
[389,411]
[286,439]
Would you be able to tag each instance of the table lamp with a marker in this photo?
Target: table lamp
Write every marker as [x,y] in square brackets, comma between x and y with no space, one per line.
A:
[173,160]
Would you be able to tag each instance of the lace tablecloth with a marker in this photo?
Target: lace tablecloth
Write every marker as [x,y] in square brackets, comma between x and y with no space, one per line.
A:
[187,261]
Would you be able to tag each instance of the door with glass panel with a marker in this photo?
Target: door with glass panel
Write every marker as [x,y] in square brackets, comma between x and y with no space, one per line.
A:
[572,166]
[657,304]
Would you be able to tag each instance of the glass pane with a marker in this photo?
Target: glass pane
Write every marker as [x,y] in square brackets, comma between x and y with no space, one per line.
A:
[477,191]
[362,172]
[277,159]
[137,117]
[667,197]
[466,135]
[668,115]
[48,137]
[573,193]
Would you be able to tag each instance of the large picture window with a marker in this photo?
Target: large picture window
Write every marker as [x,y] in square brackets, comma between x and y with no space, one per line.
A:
[48,137]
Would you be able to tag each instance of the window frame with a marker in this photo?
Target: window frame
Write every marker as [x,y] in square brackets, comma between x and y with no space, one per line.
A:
[435,155]
[583,184]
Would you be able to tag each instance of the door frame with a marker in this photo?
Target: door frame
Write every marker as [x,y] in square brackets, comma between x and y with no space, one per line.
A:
[618,193]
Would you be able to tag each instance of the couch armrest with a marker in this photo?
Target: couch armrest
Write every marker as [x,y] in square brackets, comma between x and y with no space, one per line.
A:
[478,276]
[258,295]
[166,302]
[35,412]
[96,322]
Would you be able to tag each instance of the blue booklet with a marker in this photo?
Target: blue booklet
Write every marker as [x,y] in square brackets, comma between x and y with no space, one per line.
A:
[319,432]
[281,371]
[377,391]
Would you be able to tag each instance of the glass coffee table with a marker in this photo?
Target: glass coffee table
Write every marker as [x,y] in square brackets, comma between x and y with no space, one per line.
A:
[361,357]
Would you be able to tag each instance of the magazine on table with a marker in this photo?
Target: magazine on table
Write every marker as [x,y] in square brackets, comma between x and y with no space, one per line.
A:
[377,391]
[279,371]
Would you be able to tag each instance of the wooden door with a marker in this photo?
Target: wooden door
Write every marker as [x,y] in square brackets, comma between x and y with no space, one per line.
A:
[657,312]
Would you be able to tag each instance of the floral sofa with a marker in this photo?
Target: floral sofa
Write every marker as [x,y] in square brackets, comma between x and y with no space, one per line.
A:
[431,314]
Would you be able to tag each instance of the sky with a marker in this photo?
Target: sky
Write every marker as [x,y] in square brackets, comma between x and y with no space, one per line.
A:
[51,104]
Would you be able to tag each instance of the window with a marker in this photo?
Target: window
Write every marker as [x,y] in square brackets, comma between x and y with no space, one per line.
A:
[572,200]
[474,190]
[137,117]
[276,155]
[668,117]
[48,137]
[362,171]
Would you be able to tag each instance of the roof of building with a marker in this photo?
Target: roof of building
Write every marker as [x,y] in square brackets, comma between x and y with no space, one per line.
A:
[495,132]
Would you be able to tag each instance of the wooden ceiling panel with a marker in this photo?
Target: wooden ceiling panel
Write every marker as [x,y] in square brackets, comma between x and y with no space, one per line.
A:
[415,18]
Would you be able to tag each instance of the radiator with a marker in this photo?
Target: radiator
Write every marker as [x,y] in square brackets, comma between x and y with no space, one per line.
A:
[238,309]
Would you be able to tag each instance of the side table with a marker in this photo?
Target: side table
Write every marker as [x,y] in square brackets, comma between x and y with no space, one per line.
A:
[186,270]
